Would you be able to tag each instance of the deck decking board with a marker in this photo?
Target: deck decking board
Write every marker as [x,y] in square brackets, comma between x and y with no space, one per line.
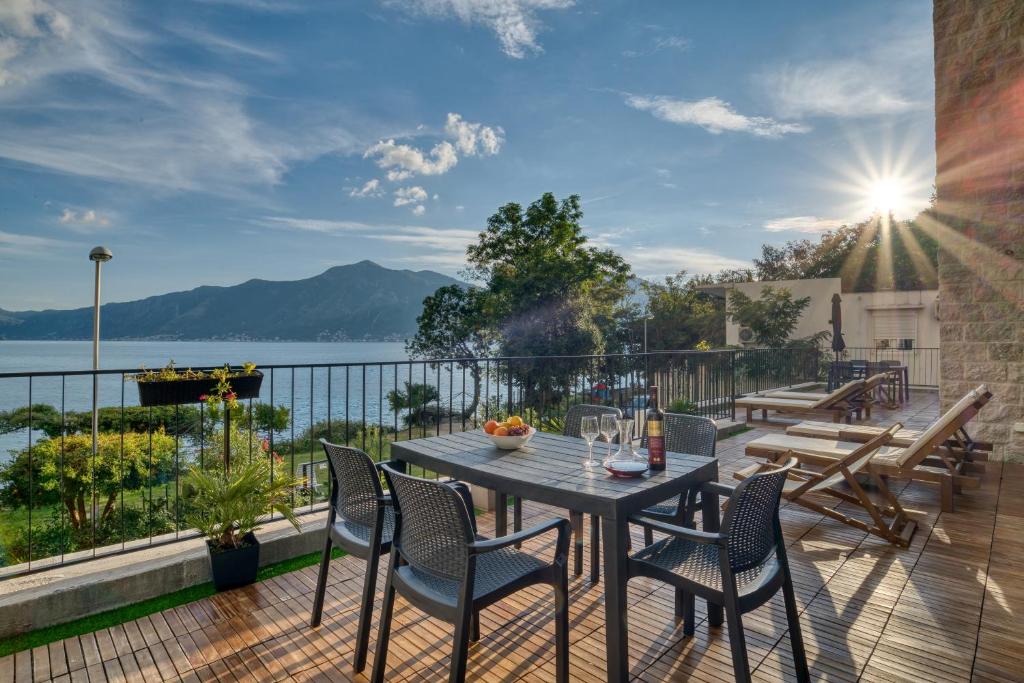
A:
[945,609]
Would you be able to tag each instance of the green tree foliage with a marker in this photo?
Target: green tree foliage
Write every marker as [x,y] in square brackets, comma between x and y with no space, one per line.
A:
[421,403]
[772,317]
[681,315]
[62,471]
[860,254]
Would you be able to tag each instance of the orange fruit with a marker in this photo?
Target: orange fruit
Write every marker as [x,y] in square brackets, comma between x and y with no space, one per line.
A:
[515,421]
[501,431]
[490,426]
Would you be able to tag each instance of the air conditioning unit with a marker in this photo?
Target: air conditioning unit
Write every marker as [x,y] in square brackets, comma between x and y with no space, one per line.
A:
[746,335]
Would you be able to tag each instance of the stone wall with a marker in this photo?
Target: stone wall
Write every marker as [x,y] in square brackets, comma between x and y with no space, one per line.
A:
[979,144]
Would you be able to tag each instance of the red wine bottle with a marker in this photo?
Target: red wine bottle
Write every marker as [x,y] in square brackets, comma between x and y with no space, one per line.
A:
[655,433]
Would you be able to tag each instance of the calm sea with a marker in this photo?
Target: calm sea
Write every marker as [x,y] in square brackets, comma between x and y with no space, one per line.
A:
[355,392]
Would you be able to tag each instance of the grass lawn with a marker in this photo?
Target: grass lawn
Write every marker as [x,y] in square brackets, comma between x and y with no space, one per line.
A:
[127,613]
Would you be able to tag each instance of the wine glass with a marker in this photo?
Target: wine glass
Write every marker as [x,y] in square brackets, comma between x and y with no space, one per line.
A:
[609,430]
[589,430]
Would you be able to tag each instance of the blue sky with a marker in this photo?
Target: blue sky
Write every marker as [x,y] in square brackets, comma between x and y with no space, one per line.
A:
[208,142]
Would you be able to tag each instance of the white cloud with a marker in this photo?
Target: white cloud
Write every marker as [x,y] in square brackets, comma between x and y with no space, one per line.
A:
[109,102]
[846,89]
[83,219]
[410,195]
[12,243]
[371,188]
[419,210]
[403,161]
[474,139]
[667,261]
[514,21]
[713,115]
[323,226]
[659,43]
[808,224]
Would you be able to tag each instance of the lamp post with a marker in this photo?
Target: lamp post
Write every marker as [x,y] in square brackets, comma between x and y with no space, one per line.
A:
[99,255]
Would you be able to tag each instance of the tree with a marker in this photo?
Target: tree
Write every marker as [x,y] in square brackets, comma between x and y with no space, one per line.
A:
[540,291]
[64,472]
[423,401]
[879,253]
[772,317]
[681,315]
[454,324]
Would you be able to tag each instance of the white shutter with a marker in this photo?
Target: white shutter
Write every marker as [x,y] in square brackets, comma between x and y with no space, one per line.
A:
[895,324]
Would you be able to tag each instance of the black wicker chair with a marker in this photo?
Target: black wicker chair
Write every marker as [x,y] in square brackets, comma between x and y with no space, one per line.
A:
[572,427]
[690,434]
[442,567]
[740,568]
[361,522]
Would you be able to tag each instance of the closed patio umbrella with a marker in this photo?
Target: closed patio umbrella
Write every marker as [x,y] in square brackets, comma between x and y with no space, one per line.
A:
[838,343]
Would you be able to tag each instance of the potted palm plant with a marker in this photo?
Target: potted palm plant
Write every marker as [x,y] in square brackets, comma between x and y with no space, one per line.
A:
[228,508]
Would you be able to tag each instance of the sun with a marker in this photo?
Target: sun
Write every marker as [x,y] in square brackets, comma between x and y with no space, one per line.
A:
[887,195]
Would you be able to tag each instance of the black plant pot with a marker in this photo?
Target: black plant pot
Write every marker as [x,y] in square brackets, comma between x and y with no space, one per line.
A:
[235,567]
[174,392]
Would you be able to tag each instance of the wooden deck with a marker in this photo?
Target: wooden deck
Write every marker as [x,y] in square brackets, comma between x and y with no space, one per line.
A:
[949,608]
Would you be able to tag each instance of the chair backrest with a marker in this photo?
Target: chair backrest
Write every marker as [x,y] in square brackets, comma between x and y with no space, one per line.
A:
[890,363]
[853,462]
[751,517]
[840,394]
[873,382]
[953,419]
[574,418]
[355,483]
[434,526]
[690,434]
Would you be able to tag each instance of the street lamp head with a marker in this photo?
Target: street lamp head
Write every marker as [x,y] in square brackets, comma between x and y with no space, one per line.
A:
[101,254]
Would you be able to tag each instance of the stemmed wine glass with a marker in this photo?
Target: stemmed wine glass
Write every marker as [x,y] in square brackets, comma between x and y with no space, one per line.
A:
[589,430]
[609,430]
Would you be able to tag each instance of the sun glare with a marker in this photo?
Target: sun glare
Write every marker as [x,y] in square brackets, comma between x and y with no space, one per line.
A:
[887,195]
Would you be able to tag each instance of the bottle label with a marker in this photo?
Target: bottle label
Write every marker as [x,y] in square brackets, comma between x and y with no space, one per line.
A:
[655,448]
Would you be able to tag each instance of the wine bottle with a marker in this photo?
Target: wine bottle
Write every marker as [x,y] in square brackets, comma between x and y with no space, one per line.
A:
[655,433]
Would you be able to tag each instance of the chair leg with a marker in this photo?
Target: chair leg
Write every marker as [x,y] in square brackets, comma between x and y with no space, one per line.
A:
[474,627]
[366,611]
[380,657]
[321,584]
[517,517]
[595,548]
[648,536]
[460,646]
[796,639]
[576,521]
[562,626]
[737,641]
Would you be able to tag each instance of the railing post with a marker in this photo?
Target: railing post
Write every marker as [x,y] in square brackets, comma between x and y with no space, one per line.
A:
[732,383]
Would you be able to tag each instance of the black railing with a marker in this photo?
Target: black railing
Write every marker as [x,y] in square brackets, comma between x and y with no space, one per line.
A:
[61,502]
[922,364]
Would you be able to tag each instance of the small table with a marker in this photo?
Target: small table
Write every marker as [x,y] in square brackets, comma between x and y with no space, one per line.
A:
[549,470]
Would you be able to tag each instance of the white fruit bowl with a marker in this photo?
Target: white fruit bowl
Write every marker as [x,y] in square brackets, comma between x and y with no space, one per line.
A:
[511,443]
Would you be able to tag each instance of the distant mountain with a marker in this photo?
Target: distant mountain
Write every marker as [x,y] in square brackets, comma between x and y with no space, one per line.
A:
[358,301]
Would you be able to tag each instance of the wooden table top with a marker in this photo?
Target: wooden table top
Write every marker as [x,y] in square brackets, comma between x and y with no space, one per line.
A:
[550,470]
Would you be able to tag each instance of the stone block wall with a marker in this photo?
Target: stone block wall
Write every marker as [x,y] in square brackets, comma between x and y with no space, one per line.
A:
[979,218]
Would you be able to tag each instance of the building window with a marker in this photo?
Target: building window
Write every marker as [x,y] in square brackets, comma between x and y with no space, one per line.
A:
[894,329]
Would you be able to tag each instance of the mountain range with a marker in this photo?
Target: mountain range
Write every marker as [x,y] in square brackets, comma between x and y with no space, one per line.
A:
[360,301]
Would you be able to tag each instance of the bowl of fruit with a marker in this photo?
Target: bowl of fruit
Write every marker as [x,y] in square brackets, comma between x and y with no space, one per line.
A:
[509,434]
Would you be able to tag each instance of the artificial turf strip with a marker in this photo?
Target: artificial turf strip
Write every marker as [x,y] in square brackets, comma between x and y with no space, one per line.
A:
[128,613]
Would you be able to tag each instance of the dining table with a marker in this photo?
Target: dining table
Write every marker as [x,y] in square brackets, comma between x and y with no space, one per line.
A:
[550,470]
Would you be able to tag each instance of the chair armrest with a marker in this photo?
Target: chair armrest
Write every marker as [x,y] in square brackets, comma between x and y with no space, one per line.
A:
[717,488]
[560,525]
[389,463]
[680,531]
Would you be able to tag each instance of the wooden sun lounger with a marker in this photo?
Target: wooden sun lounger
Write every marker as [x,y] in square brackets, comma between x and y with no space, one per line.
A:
[802,484]
[935,455]
[841,403]
[867,395]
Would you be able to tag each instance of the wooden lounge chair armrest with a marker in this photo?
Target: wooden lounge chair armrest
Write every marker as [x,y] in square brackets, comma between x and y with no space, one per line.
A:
[681,532]
[561,525]
[806,458]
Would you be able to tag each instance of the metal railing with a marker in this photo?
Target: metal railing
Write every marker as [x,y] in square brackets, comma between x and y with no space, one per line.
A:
[922,364]
[61,503]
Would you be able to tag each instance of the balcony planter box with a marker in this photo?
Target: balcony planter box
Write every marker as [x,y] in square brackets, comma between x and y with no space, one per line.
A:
[174,392]
[235,567]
